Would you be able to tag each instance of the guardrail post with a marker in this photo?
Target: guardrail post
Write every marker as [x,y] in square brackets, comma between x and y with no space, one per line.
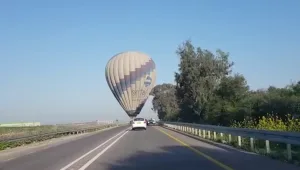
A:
[289,151]
[221,134]
[208,134]
[239,141]
[268,146]
[204,133]
[215,135]
[252,144]
[199,132]
[229,138]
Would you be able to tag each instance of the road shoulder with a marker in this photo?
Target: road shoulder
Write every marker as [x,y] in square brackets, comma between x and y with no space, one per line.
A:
[232,157]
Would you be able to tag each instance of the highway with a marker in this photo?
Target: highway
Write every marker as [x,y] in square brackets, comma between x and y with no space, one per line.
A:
[156,148]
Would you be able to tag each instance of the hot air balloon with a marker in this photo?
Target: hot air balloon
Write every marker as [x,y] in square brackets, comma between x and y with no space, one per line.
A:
[131,76]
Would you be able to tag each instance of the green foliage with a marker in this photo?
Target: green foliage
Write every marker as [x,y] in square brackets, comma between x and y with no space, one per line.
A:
[270,122]
[164,102]
[199,73]
[206,91]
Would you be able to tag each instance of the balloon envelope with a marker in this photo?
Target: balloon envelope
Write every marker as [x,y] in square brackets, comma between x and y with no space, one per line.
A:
[131,76]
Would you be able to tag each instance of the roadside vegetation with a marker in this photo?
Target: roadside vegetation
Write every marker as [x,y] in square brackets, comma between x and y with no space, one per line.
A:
[7,134]
[207,92]
[13,132]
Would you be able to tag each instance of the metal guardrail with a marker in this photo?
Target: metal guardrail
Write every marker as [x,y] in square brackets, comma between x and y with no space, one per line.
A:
[66,132]
[204,131]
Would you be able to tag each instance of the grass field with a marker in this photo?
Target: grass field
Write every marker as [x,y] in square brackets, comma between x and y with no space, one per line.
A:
[7,133]
[14,132]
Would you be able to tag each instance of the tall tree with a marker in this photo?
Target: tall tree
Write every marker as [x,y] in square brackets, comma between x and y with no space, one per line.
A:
[207,92]
[199,73]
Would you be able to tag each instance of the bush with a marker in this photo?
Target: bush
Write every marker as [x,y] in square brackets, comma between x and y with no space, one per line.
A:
[270,122]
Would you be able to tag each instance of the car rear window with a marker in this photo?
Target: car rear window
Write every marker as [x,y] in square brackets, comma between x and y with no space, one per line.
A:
[138,119]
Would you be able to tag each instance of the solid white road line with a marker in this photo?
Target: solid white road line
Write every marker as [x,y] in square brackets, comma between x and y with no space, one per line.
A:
[102,152]
[72,163]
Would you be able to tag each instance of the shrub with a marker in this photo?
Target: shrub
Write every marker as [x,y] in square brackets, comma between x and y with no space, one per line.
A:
[270,122]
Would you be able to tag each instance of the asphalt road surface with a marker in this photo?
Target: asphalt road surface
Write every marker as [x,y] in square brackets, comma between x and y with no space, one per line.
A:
[153,149]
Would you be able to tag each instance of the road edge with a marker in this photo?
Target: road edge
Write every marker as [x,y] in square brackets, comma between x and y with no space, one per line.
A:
[196,151]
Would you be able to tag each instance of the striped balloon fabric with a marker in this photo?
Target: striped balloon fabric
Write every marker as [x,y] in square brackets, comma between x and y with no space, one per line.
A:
[131,76]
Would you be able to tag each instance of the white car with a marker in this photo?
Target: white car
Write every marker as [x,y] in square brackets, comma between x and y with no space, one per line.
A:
[138,123]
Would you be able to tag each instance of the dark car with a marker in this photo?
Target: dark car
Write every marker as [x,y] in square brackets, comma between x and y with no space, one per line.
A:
[147,122]
[152,122]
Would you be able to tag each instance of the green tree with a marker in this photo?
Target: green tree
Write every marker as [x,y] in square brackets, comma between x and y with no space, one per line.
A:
[200,72]
[228,102]
[165,102]
[207,92]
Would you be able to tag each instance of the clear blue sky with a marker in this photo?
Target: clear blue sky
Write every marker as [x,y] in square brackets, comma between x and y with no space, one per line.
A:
[53,53]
